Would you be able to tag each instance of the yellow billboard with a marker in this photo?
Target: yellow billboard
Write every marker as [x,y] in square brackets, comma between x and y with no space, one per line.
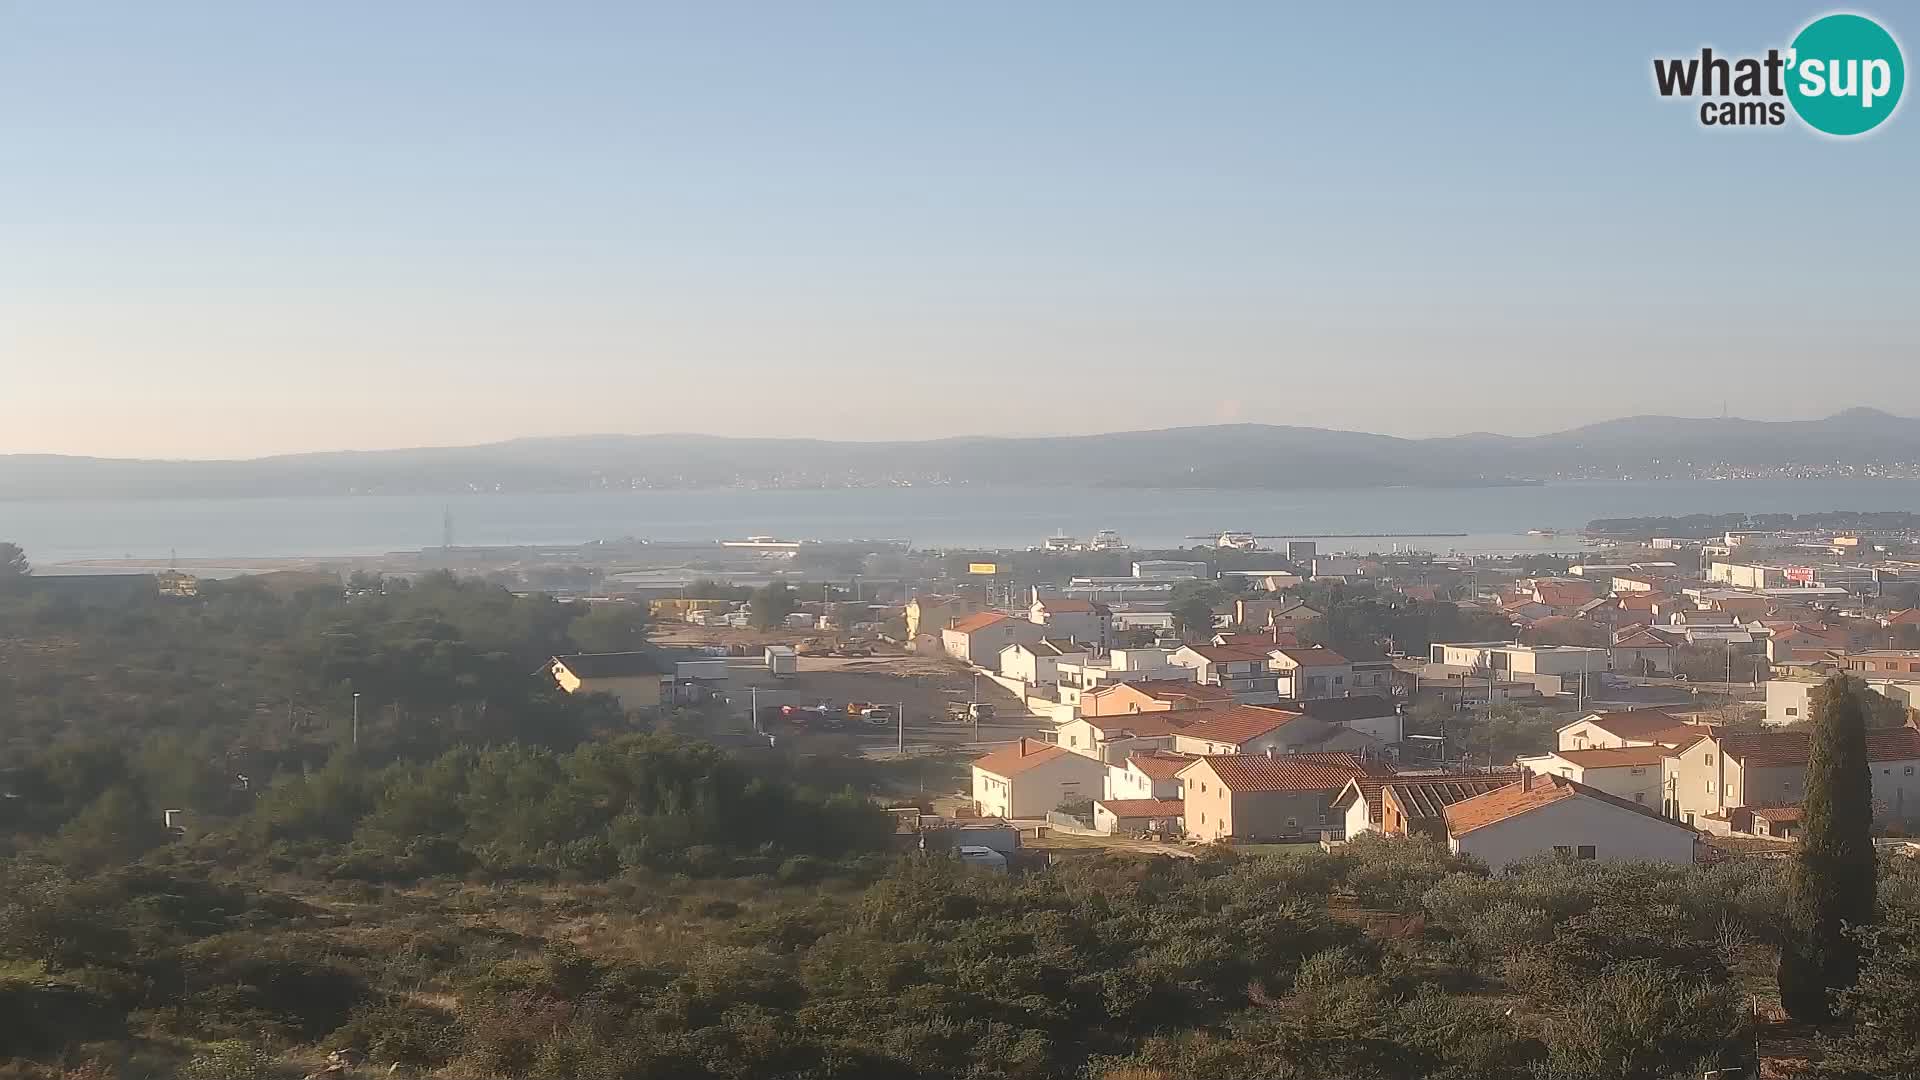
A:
[983,568]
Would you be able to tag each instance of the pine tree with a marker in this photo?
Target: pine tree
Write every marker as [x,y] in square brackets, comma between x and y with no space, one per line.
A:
[1831,884]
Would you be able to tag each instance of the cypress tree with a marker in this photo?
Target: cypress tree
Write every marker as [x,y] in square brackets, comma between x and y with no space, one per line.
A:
[1831,883]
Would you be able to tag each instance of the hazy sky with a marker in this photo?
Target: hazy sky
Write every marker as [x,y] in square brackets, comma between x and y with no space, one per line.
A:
[248,227]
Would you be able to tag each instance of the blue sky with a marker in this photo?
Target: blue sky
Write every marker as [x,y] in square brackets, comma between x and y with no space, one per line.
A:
[240,228]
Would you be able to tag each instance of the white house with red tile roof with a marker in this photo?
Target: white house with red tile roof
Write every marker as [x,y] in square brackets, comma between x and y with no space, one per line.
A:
[1037,663]
[1111,738]
[1309,674]
[1248,673]
[1634,773]
[1147,774]
[1636,727]
[1638,650]
[1549,815]
[977,639]
[1029,778]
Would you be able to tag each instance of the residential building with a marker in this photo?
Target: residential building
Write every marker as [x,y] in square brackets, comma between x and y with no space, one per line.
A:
[1257,797]
[1312,673]
[1079,678]
[1883,663]
[1548,814]
[1153,816]
[1719,772]
[1086,621]
[1553,669]
[932,614]
[977,639]
[1790,698]
[1637,727]
[1037,663]
[1633,773]
[1564,596]
[1030,778]
[1637,650]
[1512,657]
[1244,672]
[1411,805]
[1242,729]
[1372,676]
[1147,774]
[1152,695]
[1376,716]
[637,680]
[1111,738]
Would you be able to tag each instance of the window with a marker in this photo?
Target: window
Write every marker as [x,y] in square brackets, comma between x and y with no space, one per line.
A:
[1203,787]
[1293,823]
[1073,740]
[1709,759]
[1637,770]
[1203,817]
[1587,852]
[1791,711]
[1709,787]
[1908,771]
[1562,849]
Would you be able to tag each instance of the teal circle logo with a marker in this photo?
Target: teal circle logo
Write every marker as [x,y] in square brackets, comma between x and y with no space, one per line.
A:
[1845,74]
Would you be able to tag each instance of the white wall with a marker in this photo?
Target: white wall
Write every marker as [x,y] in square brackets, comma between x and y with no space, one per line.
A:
[1614,832]
[1788,700]
[1125,782]
[1357,819]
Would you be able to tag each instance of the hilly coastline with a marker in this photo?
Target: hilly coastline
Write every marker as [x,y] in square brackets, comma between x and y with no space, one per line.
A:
[1236,456]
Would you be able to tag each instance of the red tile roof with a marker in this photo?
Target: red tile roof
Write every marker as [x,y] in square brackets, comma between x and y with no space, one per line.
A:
[1637,724]
[978,622]
[1147,725]
[1516,799]
[1282,772]
[1139,808]
[1061,605]
[1906,617]
[1240,724]
[1021,756]
[1770,749]
[1614,757]
[1363,787]
[1777,813]
[1314,657]
[1160,764]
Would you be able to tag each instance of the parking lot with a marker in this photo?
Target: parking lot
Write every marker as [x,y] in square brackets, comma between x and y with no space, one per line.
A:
[926,690]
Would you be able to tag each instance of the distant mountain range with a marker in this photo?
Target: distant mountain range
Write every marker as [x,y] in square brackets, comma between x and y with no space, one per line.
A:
[1251,456]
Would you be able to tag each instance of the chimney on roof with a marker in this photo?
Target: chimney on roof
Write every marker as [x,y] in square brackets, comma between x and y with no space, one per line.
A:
[1270,751]
[1526,775]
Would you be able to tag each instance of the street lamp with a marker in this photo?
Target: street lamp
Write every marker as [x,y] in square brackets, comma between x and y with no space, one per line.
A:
[356,718]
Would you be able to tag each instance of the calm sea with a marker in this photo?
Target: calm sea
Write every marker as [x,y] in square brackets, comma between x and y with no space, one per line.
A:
[1496,519]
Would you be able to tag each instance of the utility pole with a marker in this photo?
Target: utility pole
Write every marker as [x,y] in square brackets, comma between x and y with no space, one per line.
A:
[356,718]
[900,728]
[753,705]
